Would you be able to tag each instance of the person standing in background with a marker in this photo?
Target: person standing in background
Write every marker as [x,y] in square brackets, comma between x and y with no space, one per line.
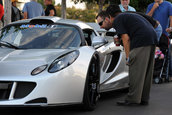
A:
[15,12]
[124,6]
[1,14]
[33,9]
[161,11]
[50,10]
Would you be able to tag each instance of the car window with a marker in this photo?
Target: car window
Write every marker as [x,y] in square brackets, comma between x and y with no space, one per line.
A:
[41,36]
[88,35]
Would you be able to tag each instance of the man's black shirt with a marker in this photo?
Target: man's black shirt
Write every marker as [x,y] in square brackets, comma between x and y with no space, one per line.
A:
[148,18]
[140,31]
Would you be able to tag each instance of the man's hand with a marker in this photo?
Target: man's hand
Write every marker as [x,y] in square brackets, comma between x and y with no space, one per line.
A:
[156,5]
[169,29]
[126,43]
[127,61]
[117,41]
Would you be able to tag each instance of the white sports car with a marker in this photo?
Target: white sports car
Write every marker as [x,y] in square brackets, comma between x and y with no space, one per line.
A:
[49,61]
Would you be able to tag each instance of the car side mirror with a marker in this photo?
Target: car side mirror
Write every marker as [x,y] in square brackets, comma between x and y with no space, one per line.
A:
[98,41]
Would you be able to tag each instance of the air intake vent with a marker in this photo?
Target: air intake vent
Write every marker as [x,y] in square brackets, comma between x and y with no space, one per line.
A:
[5,88]
[114,61]
[23,89]
[38,100]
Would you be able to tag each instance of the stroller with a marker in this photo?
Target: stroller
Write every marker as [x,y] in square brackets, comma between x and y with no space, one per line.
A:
[161,66]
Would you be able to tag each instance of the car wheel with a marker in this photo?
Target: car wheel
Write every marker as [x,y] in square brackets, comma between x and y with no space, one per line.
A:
[92,84]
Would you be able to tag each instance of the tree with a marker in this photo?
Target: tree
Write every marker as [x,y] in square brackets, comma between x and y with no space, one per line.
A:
[63,9]
[7,12]
[99,2]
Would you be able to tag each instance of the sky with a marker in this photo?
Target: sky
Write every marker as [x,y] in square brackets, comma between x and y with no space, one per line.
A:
[69,3]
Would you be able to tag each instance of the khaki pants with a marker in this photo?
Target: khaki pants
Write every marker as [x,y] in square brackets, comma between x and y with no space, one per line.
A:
[141,67]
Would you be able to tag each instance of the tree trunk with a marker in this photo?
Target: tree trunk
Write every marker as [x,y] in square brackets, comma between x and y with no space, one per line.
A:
[7,12]
[63,9]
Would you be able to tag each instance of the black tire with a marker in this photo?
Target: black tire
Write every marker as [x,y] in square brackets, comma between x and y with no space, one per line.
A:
[92,85]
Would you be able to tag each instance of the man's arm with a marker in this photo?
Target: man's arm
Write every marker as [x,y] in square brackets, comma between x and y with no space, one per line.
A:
[170,28]
[150,13]
[170,21]
[25,15]
[126,44]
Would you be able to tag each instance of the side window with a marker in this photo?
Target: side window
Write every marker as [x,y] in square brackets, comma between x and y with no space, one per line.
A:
[89,34]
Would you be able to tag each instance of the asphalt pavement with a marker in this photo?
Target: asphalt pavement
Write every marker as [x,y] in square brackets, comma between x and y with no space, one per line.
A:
[160,104]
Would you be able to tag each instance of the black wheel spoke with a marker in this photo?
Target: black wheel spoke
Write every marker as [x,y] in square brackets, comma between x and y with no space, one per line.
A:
[91,92]
[93,83]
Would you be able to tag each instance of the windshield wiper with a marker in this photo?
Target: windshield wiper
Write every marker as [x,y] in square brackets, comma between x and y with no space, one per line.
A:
[6,44]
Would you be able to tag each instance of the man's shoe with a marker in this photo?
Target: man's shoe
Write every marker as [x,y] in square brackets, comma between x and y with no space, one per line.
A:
[126,103]
[144,103]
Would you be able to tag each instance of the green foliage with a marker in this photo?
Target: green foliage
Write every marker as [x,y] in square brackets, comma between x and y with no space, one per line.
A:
[78,14]
[42,3]
[87,1]
[90,1]
[90,13]
[140,5]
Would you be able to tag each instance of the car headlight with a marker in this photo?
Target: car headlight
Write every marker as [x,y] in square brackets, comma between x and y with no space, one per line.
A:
[39,69]
[63,61]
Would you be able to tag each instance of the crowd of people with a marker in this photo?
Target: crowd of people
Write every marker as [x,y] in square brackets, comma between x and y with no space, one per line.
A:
[140,34]
[32,9]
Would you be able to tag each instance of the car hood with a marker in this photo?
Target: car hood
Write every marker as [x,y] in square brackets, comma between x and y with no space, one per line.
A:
[15,62]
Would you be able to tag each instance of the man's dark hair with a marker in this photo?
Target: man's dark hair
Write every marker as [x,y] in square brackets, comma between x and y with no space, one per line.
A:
[103,14]
[113,10]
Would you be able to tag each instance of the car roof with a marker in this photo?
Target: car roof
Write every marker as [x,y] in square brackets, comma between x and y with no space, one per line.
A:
[54,19]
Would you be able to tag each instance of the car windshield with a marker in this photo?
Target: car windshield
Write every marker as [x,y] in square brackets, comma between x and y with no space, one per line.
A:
[41,36]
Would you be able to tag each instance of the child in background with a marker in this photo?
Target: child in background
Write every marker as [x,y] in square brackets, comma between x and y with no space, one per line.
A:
[158,53]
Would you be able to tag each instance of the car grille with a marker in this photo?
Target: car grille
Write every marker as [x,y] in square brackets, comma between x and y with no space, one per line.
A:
[15,90]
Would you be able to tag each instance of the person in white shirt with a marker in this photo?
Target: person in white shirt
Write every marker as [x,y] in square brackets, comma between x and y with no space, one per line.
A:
[124,6]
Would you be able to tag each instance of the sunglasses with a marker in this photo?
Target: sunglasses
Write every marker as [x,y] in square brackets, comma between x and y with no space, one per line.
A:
[101,23]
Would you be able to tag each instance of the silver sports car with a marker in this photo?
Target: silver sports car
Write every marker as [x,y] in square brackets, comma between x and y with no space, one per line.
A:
[49,61]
